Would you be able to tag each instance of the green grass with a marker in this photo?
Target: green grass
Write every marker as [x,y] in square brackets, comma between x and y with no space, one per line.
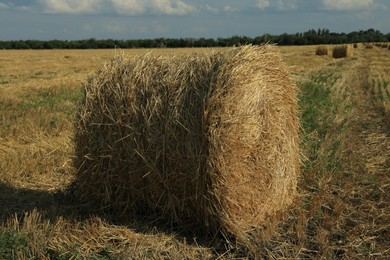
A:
[12,243]
[51,98]
[318,111]
[45,109]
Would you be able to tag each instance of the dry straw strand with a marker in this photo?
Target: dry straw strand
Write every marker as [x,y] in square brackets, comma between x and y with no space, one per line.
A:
[209,138]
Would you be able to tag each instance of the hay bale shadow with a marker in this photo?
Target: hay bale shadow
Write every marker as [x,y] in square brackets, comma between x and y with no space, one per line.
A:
[15,202]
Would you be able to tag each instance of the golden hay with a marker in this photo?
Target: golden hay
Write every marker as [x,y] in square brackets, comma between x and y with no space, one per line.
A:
[322,50]
[369,45]
[211,139]
[344,51]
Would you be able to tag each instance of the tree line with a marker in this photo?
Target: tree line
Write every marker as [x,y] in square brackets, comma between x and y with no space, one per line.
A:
[310,37]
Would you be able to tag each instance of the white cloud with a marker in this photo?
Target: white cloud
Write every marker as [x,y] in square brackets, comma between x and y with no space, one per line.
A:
[286,6]
[279,5]
[348,4]
[2,5]
[211,9]
[71,6]
[130,7]
[168,7]
[229,9]
[262,4]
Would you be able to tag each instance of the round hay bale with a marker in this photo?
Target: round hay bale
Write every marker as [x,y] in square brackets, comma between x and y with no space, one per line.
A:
[369,45]
[322,50]
[384,45]
[211,138]
[344,51]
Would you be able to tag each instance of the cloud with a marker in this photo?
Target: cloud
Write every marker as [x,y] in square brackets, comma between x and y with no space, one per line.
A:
[348,4]
[279,5]
[130,7]
[282,6]
[229,9]
[262,4]
[71,6]
[138,7]
[2,5]
[211,9]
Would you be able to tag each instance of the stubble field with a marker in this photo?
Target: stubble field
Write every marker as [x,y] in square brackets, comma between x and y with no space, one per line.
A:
[344,206]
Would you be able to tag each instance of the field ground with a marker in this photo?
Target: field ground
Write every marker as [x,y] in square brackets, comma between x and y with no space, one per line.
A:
[344,205]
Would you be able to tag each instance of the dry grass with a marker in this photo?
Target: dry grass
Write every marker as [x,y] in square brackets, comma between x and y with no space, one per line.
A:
[343,210]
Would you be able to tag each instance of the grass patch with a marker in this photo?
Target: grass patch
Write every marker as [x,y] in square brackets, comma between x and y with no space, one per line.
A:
[12,243]
[52,98]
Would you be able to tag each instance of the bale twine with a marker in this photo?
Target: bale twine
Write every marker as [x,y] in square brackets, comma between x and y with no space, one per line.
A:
[209,138]
[344,51]
[322,50]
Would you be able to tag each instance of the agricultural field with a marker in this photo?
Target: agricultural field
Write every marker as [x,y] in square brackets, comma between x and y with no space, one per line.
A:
[343,209]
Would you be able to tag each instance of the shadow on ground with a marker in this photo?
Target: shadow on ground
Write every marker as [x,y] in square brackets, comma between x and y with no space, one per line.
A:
[15,201]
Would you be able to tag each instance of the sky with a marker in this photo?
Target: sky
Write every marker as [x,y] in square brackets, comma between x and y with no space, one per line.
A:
[148,19]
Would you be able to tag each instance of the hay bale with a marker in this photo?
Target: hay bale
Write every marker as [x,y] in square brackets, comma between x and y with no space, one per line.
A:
[322,50]
[209,139]
[384,45]
[344,51]
[369,45]
[355,45]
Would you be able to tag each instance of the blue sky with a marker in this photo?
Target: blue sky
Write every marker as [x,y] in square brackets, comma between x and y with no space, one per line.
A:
[141,19]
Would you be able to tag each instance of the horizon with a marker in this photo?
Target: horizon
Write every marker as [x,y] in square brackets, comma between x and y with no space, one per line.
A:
[172,19]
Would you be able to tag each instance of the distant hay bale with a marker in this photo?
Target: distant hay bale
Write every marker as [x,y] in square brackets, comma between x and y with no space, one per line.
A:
[344,51]
[210,139]
[355,45]
[322,50]
[384,45]
[369,45]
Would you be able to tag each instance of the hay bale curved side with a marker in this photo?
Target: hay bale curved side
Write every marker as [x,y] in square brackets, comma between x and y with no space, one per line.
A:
[208,138]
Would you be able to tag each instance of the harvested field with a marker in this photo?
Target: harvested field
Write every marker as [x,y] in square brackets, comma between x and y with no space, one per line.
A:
[343,208]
